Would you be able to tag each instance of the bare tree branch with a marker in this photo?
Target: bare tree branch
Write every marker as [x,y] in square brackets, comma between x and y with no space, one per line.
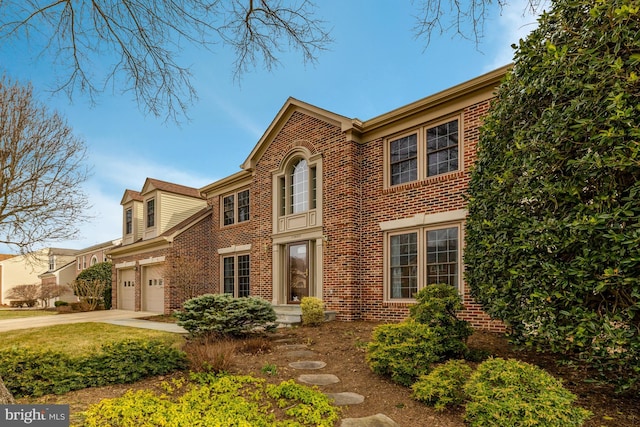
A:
[143,38]
[41,170]
[464,18]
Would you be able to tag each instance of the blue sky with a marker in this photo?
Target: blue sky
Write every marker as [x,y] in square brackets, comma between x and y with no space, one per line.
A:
[374,65]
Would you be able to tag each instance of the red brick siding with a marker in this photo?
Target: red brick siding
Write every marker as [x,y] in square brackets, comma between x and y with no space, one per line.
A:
[355,202]
[196,242]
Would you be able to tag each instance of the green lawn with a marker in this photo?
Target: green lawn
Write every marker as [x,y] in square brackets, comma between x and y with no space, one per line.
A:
[81,338]
[14,314]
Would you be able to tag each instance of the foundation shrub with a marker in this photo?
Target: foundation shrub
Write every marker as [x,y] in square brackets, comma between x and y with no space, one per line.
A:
[404,351]
[29,372]
[312,311]
[443,386]
[436,306]
[511,393]
[224,315]
[215,400]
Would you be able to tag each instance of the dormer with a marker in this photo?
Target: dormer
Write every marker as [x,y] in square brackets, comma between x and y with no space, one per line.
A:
[165,205]
[132,210]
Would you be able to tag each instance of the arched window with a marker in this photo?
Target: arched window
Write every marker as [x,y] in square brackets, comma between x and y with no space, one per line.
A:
[297,187]
[299,192]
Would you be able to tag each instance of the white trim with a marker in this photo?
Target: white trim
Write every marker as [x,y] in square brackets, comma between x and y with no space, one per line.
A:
[125,264]
[153,260]
[422,219]
[234,249]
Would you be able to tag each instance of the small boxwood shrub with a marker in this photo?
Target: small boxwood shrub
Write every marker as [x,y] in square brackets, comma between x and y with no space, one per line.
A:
[312,311]
[222,314]
[511,393]
[444,385]
[219,401]
[27,372]
[403,351]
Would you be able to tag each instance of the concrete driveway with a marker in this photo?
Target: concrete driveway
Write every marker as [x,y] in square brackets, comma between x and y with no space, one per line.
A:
[116,317]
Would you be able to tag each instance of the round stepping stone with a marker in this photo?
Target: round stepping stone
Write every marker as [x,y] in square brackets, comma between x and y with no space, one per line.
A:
[345,398]
[378,420]
[300,354]
[308,364]
[318,379]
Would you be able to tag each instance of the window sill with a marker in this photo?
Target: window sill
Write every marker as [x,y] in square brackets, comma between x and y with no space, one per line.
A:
[420,183]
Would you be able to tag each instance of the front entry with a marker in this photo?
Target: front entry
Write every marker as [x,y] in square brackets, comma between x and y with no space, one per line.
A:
[297,272]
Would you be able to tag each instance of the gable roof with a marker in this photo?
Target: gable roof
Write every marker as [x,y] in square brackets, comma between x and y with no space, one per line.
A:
[152,184]
[130,195]
[290,106]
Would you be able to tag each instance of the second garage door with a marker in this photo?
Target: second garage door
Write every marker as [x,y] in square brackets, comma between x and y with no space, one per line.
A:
[153,288]
[126,289]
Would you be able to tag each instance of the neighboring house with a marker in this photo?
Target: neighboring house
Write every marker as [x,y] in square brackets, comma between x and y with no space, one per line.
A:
[42,266]
[93,255]
[361,214]
[162,221]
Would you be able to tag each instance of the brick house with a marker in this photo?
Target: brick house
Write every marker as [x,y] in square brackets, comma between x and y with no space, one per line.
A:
[361,214]
[88,257]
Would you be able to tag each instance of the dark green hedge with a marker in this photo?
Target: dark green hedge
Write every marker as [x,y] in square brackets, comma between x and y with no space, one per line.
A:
[37,372]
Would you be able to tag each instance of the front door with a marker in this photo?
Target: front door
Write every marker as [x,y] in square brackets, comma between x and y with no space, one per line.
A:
[297,272]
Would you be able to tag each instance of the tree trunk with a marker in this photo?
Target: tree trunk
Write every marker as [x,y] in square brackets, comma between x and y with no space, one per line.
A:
[5,395]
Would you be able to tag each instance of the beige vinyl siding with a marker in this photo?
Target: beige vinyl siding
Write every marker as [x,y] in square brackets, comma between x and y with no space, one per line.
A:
[21,271]
[173,209]
[137,222]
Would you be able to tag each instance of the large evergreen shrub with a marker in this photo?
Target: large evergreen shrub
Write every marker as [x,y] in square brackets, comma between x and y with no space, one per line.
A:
[222,314]
[553,234]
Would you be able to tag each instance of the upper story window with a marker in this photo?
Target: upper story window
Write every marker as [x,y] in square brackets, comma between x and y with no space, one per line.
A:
[298,188]
[235,208]
[52,262]
[94,260]
[128,221]
[442,148]
[404,159]
[151,213]
[428,151]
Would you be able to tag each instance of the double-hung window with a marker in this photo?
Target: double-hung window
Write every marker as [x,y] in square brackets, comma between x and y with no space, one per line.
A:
[151,213]
[236,275]
[421,257]
[235,208]
[427,151]
[128,221]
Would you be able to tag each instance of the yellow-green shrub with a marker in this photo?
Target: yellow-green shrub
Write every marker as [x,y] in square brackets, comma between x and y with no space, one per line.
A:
[511,393]
[218,401]
[312,311]
[444,385]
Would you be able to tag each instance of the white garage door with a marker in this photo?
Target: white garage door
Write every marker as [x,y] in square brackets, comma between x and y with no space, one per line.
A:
[126,289]
[153,288]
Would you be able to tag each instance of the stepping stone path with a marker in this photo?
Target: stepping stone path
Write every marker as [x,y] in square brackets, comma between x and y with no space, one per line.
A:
[299,351]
